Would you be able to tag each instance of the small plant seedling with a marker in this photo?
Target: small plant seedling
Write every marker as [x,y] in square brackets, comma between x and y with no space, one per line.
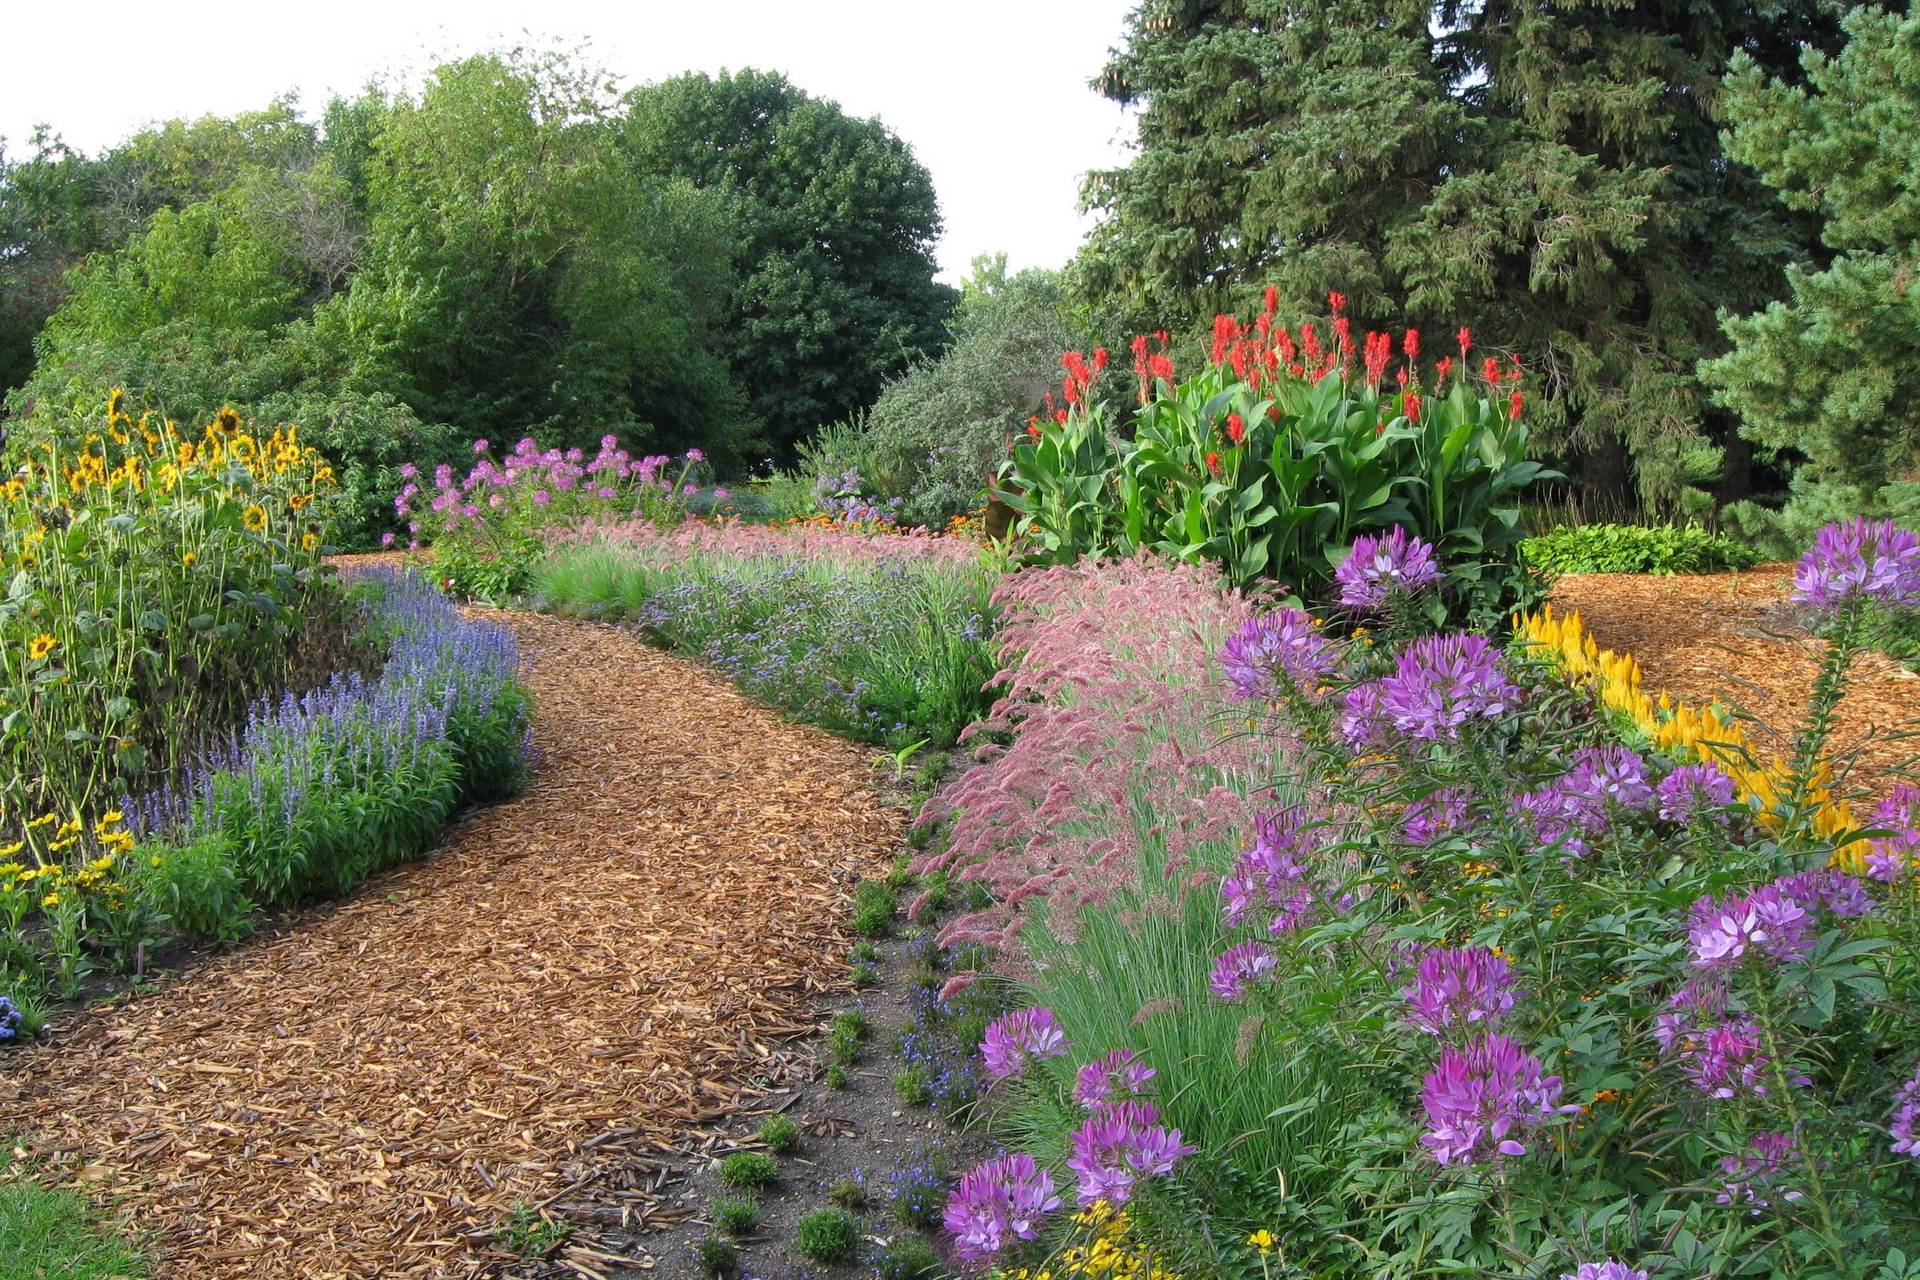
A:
[529,1233]
[852,1022]
[862,974]
[850,1192]
[844,1045]
[907,1257]
[717,1257]
[913,1087]
[900,875]
[736,1215]
[748,1170]
[829,1236]
[781,1135]
[866,951]
[836,1076]
[873,909]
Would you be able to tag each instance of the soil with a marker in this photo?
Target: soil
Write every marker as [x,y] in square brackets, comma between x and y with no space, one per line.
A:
[1733,637]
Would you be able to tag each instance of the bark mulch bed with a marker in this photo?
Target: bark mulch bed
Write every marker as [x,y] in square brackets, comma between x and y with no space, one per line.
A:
[1733,637]
[541,1011]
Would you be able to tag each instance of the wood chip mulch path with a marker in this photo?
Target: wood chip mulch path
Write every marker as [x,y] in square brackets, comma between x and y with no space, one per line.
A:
[553,998]
[1731,636]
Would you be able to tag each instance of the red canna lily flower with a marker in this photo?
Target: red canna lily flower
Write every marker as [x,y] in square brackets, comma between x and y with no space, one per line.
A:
[1441,368]
[1033,427]
[1271,300]
[1411,404]
[1213,463]
[1466,342]
[1336,302]
[1379,349]
[1513,405]
[1411,343]
[1099,359]
[1490,369]
[1237,429]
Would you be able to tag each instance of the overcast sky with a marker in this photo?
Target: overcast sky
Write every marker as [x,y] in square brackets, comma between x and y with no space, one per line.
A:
[992,94]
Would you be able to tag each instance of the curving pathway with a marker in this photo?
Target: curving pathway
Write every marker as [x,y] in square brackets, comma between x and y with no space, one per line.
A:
[570,981]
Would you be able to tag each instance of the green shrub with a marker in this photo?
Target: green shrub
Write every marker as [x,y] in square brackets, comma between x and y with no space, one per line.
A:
[849,1192]
[196,888]
[1626,548]
[852,1023]
[781,1135]
[865,951]
[736,1215]
[829,1236]
[748,1170]
[873,909]
[717,1257]
[862,974]
[907,1257]
[912,1085]
[836,1076]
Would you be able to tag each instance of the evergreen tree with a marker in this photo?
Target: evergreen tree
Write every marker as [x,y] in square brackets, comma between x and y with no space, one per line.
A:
[1827,377]
[1546,173]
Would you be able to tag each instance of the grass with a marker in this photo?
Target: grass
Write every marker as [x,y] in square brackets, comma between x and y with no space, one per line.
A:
[781,1135]
[829,1236]
[874,908]
[736,1215]
[748,1170]
[51,1234]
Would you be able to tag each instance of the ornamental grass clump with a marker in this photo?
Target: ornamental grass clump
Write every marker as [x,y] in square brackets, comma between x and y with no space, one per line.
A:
[1517,982]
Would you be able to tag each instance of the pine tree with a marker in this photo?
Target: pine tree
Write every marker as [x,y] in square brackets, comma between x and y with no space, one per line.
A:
[1827,377]
[1547,173]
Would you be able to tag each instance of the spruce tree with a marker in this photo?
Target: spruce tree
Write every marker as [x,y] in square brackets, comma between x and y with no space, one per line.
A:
[1548,174]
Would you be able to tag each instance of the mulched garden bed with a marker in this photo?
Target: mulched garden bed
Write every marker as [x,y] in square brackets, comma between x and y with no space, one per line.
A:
[1733,637]
[539,1013]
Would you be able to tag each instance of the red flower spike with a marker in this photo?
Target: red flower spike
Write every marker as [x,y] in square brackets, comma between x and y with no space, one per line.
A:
[1271,301]
[1513,405]
[1310,343]
[1336,302]
[1402,375]
[1410,402]
[1343,335]
[1226,331]
[1099,359]
[1033,427]
[1237,429]
[1060,416]
[1213,463]
[1160,336]
[1490,369]
[1466,342]
[1411,344]
[1441,368]
[1379,350]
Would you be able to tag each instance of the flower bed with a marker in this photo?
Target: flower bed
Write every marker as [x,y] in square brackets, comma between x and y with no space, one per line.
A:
[1456,979]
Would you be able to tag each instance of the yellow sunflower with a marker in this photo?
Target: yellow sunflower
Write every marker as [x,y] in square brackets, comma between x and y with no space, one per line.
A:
[299,501]
[309,540]
[255,518]
[40,646]
[226,421]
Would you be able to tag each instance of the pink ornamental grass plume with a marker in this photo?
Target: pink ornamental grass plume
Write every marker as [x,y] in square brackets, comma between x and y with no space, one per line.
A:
[756,541]
[1111,691]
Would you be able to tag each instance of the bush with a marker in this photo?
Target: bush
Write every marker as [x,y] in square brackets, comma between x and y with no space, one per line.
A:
[873,909]
[195,887]
[736,1215]
[1624,548]
[781,1135]
[748,1170]
[717,1257]
[829,1236]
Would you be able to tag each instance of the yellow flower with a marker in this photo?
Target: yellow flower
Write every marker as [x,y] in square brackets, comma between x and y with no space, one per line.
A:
[40,646]
[1261,1239]
[255,519]
[51,901]
[299,501]
[226,421]
[188,559]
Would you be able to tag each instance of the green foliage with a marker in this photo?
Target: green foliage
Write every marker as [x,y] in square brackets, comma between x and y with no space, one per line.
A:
[834,221]
[736,1215]
[939,430]
[828,1236]
[748,1170]
[532,1234]
[1550,176]
[780,1135]
[913,1086]
[849,1193]
[836,1076]
[874,907]
[48,1233]
[195,887]
[1625,548]
[1824,378]
[852,1022]
[717,1257]
[908,1257]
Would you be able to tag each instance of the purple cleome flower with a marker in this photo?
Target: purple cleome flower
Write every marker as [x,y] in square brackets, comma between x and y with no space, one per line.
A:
[1895,856]
[1906,1118]
[1481,1100]
[997,1203]
[1608,1270]
[1752,1177]
[1015,1039]
[1119,1145]
[1434,815]
[1776,919]
[1693,791]
[1859,559]
[1442,683]
[1272,875]
[1239,967]
[1276,650]
[1362,725]
[1380,568]
[1121,1074]
[1459,989]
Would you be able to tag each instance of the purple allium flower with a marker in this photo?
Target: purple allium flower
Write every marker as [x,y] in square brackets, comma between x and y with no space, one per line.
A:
[694,455]
[1693,790]
[997,1203]
[1894,857]
[1272,875]
[409,470]
[1441,683]
[1120,1144]
[1381,568]
[1481,1100]
[609,441]
[1015,1039]
[1434,815]
[1751,1177]
[1274,650]
[1608,1270]
[1859,559]
[604,493]
[1239,966]
[542,498]
[1121,1074]
[1906,1118]
[443,476]
[1457,990]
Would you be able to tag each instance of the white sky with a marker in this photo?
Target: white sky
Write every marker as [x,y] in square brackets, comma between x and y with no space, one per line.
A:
[992,95]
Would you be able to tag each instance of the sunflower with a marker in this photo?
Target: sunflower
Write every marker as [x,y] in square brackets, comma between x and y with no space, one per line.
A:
[40,646]
[226,422]
[310,539]
[255,518]
[299,501]
[187,559]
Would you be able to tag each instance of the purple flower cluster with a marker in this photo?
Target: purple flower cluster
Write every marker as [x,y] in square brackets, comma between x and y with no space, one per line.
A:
[1608,1270]
[1275,651]
[1457,990]
[1120,1144]
[1273,876]
[1439,685]
[1895,855]
[1859,559]
[1719,1051]
[1752,1177]
[1239,967]
[1776,919]
[1481,1100]
[1121,1074]
[1906,1118]
[1434,815]
[1693,791]
[1015,1040]
[1577,806]
[10,1020]
[997,1203]
[1380,568]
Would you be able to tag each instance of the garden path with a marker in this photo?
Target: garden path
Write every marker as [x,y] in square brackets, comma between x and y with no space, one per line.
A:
[1730,636]
[566,985]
